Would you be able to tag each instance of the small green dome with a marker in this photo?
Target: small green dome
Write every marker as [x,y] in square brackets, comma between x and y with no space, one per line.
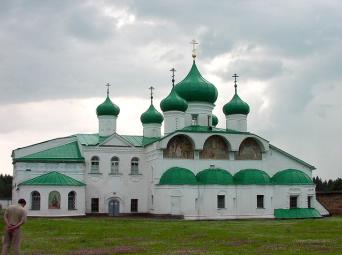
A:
[194,88]
[215,176]
[214,120]
[291,177]
[151,116]
[251,176]
[236,106]
[173,102]
[107,108]
[178,176]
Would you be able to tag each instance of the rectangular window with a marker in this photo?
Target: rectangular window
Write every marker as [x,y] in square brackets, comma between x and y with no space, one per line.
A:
[194,119]
[221,201]
[293,201]
[260,201]
[114,167]
[134,205]
[309,201]
[94,205]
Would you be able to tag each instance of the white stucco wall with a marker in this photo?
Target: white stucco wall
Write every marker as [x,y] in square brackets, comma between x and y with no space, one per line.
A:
[25,192]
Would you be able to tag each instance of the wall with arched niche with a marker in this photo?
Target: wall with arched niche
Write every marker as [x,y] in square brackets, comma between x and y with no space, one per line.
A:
[249,150]
[179,147]
[215,147]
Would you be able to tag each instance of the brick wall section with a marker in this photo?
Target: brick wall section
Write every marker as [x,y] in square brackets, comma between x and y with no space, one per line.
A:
[332,201]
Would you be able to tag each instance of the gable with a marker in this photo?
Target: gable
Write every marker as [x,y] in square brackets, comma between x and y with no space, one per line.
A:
[116,140]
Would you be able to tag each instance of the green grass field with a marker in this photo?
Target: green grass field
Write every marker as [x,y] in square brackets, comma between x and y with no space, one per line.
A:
[102,235]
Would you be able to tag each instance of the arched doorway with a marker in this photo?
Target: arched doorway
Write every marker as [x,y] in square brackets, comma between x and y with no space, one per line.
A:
[114,207]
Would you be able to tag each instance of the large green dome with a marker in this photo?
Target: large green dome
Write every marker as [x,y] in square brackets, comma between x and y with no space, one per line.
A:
[291,177]
[107,108]
[151,116]
[236,106]
[214,120]
[215,176]
[251,176]
[173,102]
[178,176]
[194,88]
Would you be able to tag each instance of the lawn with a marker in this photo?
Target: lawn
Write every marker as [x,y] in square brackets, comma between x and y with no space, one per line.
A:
[102,235]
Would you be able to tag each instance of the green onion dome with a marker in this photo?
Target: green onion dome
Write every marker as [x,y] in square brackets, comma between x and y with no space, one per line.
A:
[173,102]
[151,116]
[178,176]
[194,88]
[107,108]
[251,177]
[215,176]
[236,106]
[214,120]
[291,177]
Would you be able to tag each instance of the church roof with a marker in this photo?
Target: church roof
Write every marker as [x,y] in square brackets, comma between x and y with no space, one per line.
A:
[251,177]
[69,152]
[236,106]
[173,102]
[53,179]
[107,108]
[215,176]
[291,177]
[296,213]
[194,88]
[151,115]
[178,176]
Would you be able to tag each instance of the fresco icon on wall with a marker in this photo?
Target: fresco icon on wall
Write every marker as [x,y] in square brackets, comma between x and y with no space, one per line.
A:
[180,147]
[215,147]
[54,200]
[249,150]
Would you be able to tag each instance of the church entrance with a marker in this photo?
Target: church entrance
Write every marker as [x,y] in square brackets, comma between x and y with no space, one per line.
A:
[113,207]
[175,205]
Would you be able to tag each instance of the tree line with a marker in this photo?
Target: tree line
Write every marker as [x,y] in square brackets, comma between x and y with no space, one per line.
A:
[328,185]
[5,186]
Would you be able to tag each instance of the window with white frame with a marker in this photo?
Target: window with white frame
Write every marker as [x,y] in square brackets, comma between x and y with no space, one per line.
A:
[95,164]
[194,119]
[114,165]
[35,200]
[260,201]
[135,166]
[72,200]
[221,201]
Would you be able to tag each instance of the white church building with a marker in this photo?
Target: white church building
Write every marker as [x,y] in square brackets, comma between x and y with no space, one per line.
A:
[193,170]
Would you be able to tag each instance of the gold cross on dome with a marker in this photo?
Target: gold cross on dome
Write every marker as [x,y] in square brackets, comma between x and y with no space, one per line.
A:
[108,85]
[151,88]
[194,43]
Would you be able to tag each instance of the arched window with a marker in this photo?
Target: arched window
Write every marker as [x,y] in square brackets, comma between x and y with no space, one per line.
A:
[114,165]
[35,200]
[54,200]
[135,166]
[94,164]
[215,147]
[249,150]
[72,200]
[181,147]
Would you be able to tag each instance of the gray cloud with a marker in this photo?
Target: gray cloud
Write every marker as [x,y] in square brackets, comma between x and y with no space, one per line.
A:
[55,50]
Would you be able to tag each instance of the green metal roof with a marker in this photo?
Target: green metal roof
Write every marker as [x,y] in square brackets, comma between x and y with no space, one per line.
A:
[292,157]
[53,179]
[251,176]
[206,129]
[108,108]
[194,88]
[178,176]
[173,102]
[296,213]
[215,176]
[139,141]
[151,116]
[214,120]
[64,153]
[291,177]
[236,106]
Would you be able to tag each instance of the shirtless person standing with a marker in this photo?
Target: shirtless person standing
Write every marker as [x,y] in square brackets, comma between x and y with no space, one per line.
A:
[15,216]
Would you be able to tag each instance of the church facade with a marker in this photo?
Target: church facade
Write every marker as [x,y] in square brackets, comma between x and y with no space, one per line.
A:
[193,170]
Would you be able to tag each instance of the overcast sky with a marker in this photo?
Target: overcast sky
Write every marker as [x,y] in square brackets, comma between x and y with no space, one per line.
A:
[56,56]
